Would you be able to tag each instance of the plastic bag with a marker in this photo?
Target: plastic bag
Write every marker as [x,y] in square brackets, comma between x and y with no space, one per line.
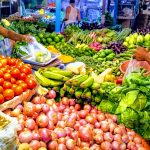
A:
[8,135]
[5,47]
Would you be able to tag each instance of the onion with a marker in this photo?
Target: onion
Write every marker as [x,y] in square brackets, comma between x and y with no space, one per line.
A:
[117,130]
[74,135]
[83,113]
[39,100]
[131,135]
[137,140]
[90,119]
[114,118]
[50,102]
[101,117]
[54,136]
[123,146]
[106,145]
[117,137]
[82,122]
[125,138]
[68,131]
[98,139]
[59,115]
[85,134]
[87,107]
[70,144]
[62,147]
[45,134]
[16,112]
[30,124]
[77,126]
[112,126]
[108,137]
[35,115]
[20,107]
[62,140]
[29,109]
[43,144]
[71,122]
[60,132]
[62,107]
[52,116]
[104,126]
[72,102]
[61,124]
[38,108]
[35,135]
[42,121]
[94,110]
[131,145]
[115,145]
[98,132]
[35,145]
[85,145]
[65,101]
[53,145]
[77,107]
[45,108]
[51,125]
[52,94]
[25,137]
[95,147]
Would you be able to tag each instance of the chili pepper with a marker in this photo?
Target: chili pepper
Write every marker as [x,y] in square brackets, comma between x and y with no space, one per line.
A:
[119,80]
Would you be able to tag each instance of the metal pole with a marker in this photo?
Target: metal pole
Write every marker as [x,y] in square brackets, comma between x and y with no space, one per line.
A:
[58,11]
[103,12]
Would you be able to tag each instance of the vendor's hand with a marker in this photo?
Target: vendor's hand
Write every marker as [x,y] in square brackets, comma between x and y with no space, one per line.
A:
[140,54]
[27,38]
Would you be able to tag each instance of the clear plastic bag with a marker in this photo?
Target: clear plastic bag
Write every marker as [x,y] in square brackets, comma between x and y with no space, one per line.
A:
[8,135]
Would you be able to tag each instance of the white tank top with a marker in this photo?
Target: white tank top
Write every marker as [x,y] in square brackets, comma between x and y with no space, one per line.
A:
[72,16]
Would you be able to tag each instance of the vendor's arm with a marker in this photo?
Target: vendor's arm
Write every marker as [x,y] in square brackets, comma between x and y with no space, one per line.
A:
[79,16]
[13,35]
[68,9]
[142,54]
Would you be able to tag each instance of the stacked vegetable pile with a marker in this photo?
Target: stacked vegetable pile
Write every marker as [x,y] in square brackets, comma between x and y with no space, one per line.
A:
[15,78]
[65,125]
[130,102]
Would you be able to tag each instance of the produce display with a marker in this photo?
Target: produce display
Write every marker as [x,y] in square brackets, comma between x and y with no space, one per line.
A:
[15,78]
[96,99]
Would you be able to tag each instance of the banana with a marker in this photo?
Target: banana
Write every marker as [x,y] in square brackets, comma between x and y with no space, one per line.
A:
[71,91]
[94,92]
[46,82]
[95,86]
[87,83]
[54,76]
[79,81]
[98,99]
[88,95]
[78,93]
[56,89]
[52,68]
[64,73]
[76,77]
[62,92]
[83,94]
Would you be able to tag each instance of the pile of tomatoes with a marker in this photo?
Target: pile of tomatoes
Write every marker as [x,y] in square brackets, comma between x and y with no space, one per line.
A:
[15,78]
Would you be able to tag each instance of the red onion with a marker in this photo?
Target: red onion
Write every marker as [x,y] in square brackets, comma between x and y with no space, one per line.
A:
[74,135]
[61,124]
[71,122]
[125,138]
[106,145]
[94,110]
[85,145]
[54,136]
[131,145]
[25,137]
[53,145]
[68,130]
[43,144]
[59,115]
[101,117]
[37,100]
[42,121]
[95,147]
[77,126]
[70,144]
[98,132]
[83,113]
[85,134]
[50,102]
[35,115]
[77,107]
[82,122]
[52,116]
[51,125]
[62,140]
[38,108]
[45,108]
[123,146]
[60,132]
[62,147]
[29,109]
[30,124]
[45,134]
[115,145]
[52,94]
[72,102]
[87,107]
[65,101]
[20,107]
[117,130]
[112,126]
[90,119]
[117,137]
[62,107]
[104,126]
[35,145]
[98,139]
[108,137]
[35,135]
[137,140]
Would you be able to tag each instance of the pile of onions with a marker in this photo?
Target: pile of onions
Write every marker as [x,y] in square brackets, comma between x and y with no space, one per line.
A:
[65,126]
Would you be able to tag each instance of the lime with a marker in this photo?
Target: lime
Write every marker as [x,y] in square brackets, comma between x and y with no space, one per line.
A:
[53,43]
[56,39]
[41,36]
[60,36]
[49,40]
[44,40]
[46,35]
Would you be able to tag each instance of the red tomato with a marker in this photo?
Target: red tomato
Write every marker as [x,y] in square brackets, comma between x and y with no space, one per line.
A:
[18,90]
[28,65]
[8,94]
[7,76]
[14,86]
[7,85]
[3,61]
[22,76]
[1,99]
[15,73]
[11,61]
[1,81]
[31,83]
[19,65]
[24,86]
[19,82]
[1,89]
[13,80]
[26,70]
[3,69]
[1,73]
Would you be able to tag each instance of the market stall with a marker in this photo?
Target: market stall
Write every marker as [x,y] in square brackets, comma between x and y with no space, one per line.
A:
[87,88]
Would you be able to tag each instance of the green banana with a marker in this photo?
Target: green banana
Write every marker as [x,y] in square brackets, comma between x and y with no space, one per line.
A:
[64,73]
[94,92]
[88,95]
[80,80]
[46,82]
[54,76]
[95,86]
[56,89]
[71,91]
[52,68]
[87,83]
[78,93]
[83,94]
[62,92]
[76,77]
[98,99]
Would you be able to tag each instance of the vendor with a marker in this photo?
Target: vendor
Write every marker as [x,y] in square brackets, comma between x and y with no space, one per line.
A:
[72,14]
[142,54]
[13,35]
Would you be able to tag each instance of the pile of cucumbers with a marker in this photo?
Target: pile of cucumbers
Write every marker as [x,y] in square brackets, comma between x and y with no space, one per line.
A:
[81,87]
